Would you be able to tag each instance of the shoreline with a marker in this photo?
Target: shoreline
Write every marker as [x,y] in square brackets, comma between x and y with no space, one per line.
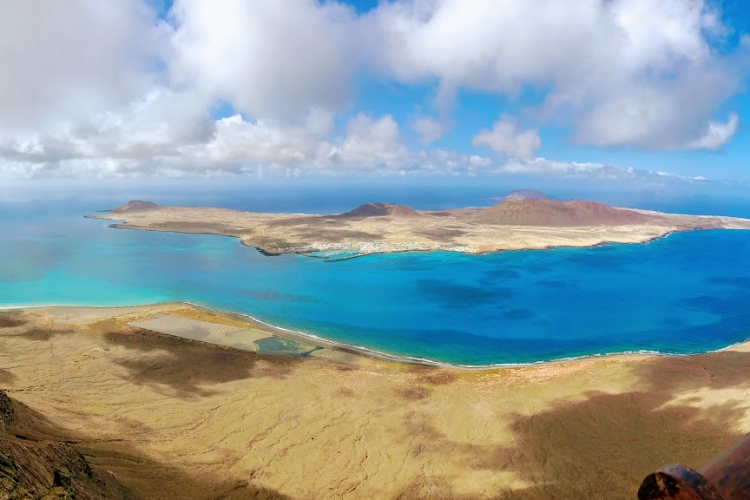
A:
[123,224]
[383,355]
[552,237]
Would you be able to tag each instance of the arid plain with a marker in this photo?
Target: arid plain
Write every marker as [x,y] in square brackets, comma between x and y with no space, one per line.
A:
[166,417]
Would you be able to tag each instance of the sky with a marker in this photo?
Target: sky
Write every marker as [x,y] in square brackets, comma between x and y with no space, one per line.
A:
[636,91]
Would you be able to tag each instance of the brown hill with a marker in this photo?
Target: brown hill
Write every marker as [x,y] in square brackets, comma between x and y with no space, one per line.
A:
[525,194]
[37,460]
[381,210]
[135,206]
[551,213]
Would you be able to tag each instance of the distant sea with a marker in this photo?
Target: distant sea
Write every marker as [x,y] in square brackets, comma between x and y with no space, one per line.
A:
[687,293]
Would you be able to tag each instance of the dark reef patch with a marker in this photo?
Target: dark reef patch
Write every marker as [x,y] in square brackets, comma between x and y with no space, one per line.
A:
[735,281]
[517,314]
[455,296]
[555,284]
[502,274]
[674,322]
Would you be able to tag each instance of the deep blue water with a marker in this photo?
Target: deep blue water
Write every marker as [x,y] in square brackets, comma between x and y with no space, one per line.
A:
[686,293]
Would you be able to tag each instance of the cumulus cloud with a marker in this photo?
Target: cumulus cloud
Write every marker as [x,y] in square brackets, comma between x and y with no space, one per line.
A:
[157,124]
[620,70]
[542,166]
[584,170]
[370,143]
[268,58]
[109,89]
[717,134]
[428,129]
[64,61]
[506,139]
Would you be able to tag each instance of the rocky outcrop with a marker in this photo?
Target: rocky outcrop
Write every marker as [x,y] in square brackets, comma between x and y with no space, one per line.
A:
[37,461]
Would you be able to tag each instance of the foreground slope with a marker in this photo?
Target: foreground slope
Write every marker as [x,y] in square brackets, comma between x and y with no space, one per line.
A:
[173,418]
[38,460]
[512,224]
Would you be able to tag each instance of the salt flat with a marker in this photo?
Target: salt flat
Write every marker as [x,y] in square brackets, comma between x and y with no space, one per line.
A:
[205,331]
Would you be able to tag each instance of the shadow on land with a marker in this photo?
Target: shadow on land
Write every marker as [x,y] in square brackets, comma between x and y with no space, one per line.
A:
[185,365]
[43,334]
[15,320]
[11,320]
[37,457]
[600,447]
[6,377]
[603,446]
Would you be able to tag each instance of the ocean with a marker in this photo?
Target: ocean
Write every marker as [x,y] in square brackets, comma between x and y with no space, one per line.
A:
[686,293]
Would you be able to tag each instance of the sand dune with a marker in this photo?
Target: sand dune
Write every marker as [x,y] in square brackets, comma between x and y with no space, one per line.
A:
[176,418]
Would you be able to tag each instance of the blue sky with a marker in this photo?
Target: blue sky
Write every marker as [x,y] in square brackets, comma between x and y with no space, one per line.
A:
[614,90]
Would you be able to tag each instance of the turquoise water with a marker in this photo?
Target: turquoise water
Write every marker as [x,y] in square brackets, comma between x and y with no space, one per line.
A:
[686,293]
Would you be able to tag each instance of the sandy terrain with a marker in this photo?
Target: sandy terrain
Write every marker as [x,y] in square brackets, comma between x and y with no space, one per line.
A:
[177,418]
[379,228]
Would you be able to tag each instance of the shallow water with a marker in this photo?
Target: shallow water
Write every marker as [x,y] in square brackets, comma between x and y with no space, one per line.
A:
[686,293]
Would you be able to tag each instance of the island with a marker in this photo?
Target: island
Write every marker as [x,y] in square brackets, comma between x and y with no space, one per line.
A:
[522,220]
[522,194]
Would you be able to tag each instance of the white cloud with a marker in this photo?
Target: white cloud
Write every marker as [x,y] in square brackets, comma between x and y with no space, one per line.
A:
[506,139]
[241,142]
[268,58]
[370,143]
[158,124]
[717,134]
[370,146]
[599,171]
[64,61]
[107,89]
[619,70]
[428,129]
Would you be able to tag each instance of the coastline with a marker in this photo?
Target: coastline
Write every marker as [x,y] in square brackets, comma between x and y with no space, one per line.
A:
[466,231]
[366,352]
[123,224]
